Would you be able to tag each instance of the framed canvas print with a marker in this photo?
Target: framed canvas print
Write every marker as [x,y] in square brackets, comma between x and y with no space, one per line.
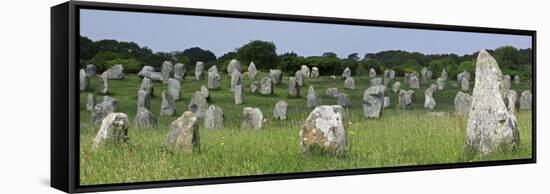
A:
[148,96]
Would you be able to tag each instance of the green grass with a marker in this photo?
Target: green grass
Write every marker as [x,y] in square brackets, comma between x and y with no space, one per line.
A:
[398,138]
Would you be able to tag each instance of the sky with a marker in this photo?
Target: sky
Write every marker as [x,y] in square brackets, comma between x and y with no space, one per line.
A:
[168,32]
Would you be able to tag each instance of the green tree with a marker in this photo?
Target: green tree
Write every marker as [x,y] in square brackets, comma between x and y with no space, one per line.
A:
[354,56]
[195,54]
[263,54]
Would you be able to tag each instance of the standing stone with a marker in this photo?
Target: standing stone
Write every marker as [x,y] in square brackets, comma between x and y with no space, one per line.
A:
[146,71]
[465,85]
[516,79]
[114,130]
[276,76]
[293,87]
[413,82]
[213,117]
[324,129]
[465,75]
[174,88]
[490,124]
[405,99]
[313,100]
[214,68]
[199,70]
[463,103]
[91,70]
[305,71]
[167,71]
[346,73]
[349,83]
[213,80]
[280,110]
[266,87]
[526,99]
[254,86]
[101,110]
[91,102]
[331,92]
[425,75]
[168,105]
[147,86]
[386,101]
[84,81]
[234,65]
[145,118]
[238,94]
[376,81]
[444,75]
[144,100]
[314,72]
[252,118]
[157,76]
[205,92]
[506,82]
[183,135]
[396,87]
[299,78]
[115,72]
[104,88]
[511,99]
[429,101]
[413,95]
[387,77]
[440,82]
[252,71]
[343,100]
[372,73]
[198,104]
[392,74]
[373,102]
[179,71]
[236,79]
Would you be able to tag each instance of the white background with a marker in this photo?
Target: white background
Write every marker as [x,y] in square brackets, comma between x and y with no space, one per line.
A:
[25,95]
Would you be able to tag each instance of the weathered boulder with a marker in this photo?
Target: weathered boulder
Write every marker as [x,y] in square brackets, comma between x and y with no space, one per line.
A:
[425,75]
[205,92]
[234,64]
[373,102]
[183,135]
[198,104]
[506,82]
[314,72]
[313,100]
[238,94]
[144,100]
[444,75]
[349,83]
[252,71]
[252,118]
[440,82]
[214,81]
[157,76]
[293,87]
[429,101]
[199,70]
[213,117]
[84,81]
[104,108]
[376,81]
[332,92]
[115,72]
[405,99]
[396,87]
[413,82]
[372,73]
[147,86]
[343,100]
[254,86]
[324,130]
[490,124]
[305,71]
[276,76]
[526,100]
[266,87]
[145,118]
[465,75]
[280,110]
[180,70]
[463,103]
[214,68]
[104,88]
[511,99]
[174,88]
[299,78]
[113,130]
[168,104]
[146,71]
[464,85]
[236,79]
[91,102]
[516,79]
[91,70]
[167,71]
[346,73]
[386,101]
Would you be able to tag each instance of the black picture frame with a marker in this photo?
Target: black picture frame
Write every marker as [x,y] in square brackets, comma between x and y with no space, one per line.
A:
[64,90]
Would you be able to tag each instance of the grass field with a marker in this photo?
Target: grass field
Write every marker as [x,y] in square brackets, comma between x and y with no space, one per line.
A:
[398,138]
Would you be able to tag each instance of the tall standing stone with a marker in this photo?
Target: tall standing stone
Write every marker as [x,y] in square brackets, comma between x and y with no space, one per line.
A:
[198,104]
[174,88]
[167,71]
[104,108]
[104,88]
[183,135]
[252,71]
[324,130]
[386,101]
[396,87]
[305,71]
[115,72]
[91,70]
[199,70]
[490,124]
[91,102]
[293,87]
[507,82]
[425,75]
[463,103]
[526,100]
[145,118]
[266,87]
[168,105]
[404,99]
[373,102]
[213,80]
[214,68]
[464,85]
[429,101]
[314,72]
[144,100]
[213,117]
[349,83]
[84,81]
[252,118]
[465,75]
[280,110]
[313,100]
[147,86]
[414,82]
[238,94]
[346,73]
[440,82]
[299,78]
[114,130]
[254,87]
[372,73]
[511,99]
[444,75]
[234,64]
[205,92]
[276,76]
[236,79]
[516,79]
[179,71]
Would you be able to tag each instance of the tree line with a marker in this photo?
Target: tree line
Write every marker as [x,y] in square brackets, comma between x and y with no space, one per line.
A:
[106,53]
